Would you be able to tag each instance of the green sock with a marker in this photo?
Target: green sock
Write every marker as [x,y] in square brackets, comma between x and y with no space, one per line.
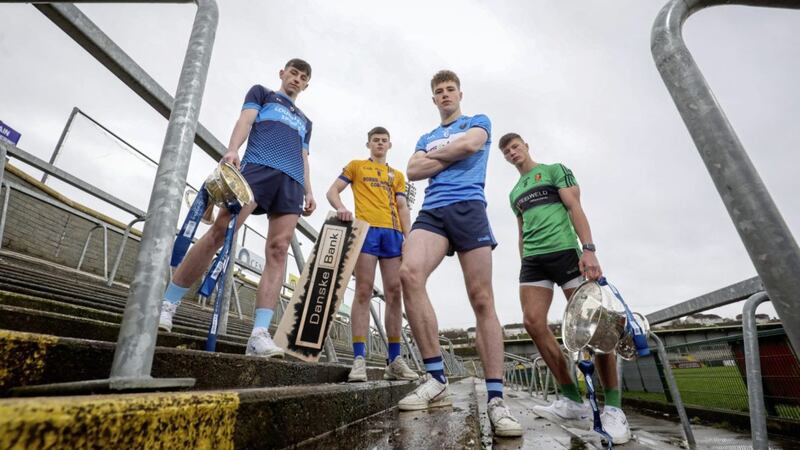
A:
[613,398]
[571,392]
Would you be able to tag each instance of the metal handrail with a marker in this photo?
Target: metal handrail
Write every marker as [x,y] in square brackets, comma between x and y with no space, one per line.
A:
[755,389]
[764,233]
[105,248]
[135,347]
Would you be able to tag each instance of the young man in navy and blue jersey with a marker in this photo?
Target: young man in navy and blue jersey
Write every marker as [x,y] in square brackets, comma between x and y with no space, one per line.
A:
[550,218]
[453,220]
[275,165]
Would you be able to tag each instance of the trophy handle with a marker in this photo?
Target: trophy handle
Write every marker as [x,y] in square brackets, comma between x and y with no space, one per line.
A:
[208,215]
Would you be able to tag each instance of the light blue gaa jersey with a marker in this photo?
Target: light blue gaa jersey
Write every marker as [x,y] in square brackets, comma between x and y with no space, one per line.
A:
[462,180]
[280,133]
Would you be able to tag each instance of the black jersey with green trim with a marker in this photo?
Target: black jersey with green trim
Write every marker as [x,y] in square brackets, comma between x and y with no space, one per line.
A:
[546,226]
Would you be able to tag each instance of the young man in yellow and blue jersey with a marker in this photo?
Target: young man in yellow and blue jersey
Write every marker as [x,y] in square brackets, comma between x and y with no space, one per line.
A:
[380,197]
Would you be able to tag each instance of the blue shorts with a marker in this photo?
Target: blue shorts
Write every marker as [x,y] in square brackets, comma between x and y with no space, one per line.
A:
[383,243]
[464,224]
[274,191]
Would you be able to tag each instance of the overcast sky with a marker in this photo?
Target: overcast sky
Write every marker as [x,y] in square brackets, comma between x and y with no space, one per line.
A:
[575,79]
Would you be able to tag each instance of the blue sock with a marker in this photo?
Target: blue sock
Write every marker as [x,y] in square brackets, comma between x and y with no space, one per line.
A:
[494,388]
[174,293]
[394,348]
[435,367]
[263,318]
[359,346]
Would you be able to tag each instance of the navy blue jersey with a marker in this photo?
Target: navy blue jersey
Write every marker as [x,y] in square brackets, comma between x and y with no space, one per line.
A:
[463,180]
[279,134]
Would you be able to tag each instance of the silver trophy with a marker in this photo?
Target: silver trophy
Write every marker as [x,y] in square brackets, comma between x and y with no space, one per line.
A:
[596,319]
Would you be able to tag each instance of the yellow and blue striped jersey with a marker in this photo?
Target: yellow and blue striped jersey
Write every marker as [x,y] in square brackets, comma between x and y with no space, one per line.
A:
[375,187]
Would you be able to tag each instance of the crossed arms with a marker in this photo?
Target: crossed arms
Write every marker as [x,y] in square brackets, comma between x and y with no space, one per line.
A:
[425,164]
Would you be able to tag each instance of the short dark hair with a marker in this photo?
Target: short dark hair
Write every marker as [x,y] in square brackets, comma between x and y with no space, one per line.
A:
[377,130]
[445,75]
[507,138]
[300,65]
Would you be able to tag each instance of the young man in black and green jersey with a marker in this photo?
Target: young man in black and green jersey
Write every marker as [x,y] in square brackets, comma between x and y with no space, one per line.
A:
[546,201]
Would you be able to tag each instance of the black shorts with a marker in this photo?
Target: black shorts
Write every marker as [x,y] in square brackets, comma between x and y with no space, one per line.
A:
[560,267]
[464,224]
[274,191]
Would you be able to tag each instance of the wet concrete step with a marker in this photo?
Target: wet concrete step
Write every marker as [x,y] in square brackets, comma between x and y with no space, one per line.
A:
[33,359]
[455,427]
[242,419]
[648,432]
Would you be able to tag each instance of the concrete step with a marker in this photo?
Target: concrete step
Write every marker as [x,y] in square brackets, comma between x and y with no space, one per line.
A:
[69,309]
[223,419]
[33,359]
[57,283]
[455,427]
[54,324]
[190,314]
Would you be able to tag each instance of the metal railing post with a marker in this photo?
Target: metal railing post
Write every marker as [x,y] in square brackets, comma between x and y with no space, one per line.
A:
[407,343]
[2,163]
[105,251]
[755,389]
[61,140]
[676,394]
[378,324]
[133,357]
[122,244]
[769,242]
[238,301]
[86,246]
[6,189]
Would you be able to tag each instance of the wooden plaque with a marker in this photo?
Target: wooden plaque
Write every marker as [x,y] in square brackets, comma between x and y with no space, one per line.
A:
[320,291]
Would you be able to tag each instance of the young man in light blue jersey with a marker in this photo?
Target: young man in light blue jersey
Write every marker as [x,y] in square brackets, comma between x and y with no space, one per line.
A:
[546,201]
[275,166]
[453,220]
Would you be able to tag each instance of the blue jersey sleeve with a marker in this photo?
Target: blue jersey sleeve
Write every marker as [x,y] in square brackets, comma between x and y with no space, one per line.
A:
[255,98]
[307,138]
[421,144]
[481,121]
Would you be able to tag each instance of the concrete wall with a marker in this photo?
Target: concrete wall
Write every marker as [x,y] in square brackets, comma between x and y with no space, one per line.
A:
[38,229]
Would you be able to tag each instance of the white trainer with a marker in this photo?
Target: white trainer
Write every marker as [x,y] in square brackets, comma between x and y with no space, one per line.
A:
[261,344]
[616,424]
[503,422]
[359,370]
[565,410]
[429,394]
[399,370]
[165,319]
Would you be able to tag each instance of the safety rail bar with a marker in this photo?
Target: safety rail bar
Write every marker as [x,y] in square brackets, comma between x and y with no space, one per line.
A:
[768,240]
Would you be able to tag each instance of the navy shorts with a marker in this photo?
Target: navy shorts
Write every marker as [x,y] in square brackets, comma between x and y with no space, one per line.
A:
[274,191]
[383,243]
[560,267]
[464,224]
